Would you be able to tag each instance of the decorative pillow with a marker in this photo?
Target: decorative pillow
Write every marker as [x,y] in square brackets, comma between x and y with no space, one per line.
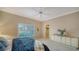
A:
[3,44]
[2,47]
[38,46]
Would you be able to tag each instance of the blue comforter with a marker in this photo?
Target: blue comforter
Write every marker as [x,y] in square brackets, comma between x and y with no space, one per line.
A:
[23,44]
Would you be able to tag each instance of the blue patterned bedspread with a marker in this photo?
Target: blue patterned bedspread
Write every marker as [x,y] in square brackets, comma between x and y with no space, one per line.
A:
[23,44]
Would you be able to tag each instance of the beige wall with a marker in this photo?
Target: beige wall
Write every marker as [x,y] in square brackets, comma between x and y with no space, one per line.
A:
[8,24]
[69,22]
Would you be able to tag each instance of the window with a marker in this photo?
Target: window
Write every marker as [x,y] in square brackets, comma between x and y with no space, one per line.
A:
[26,30]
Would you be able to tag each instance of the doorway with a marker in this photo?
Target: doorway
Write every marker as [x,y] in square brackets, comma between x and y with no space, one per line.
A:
[47,32]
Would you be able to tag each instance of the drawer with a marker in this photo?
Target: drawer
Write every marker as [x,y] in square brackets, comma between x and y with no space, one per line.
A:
[74,42]
[64,40]
[68,41]
[57,38]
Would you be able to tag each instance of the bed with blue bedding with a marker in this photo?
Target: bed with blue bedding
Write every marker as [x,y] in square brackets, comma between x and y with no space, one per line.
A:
[26,44]
[22,44]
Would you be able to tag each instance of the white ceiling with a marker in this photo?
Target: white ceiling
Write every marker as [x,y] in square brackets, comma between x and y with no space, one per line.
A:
[47,12]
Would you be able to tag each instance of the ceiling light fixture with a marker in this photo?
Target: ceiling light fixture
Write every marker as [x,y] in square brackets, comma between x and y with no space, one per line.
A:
[40,12]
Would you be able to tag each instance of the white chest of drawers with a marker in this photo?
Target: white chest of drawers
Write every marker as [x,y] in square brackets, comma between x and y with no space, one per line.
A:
[71,41]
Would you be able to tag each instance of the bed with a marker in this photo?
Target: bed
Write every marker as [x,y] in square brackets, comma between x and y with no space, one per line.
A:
[22,44]
[28,44]
[35,45]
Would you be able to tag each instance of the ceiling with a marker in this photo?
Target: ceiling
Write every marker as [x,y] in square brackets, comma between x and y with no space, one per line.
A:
[40,13]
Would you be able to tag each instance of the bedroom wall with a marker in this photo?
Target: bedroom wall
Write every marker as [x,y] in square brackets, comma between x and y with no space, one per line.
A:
[8,24]
[69,22]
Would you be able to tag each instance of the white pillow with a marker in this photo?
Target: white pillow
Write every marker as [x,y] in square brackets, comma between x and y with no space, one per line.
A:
[38,46]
